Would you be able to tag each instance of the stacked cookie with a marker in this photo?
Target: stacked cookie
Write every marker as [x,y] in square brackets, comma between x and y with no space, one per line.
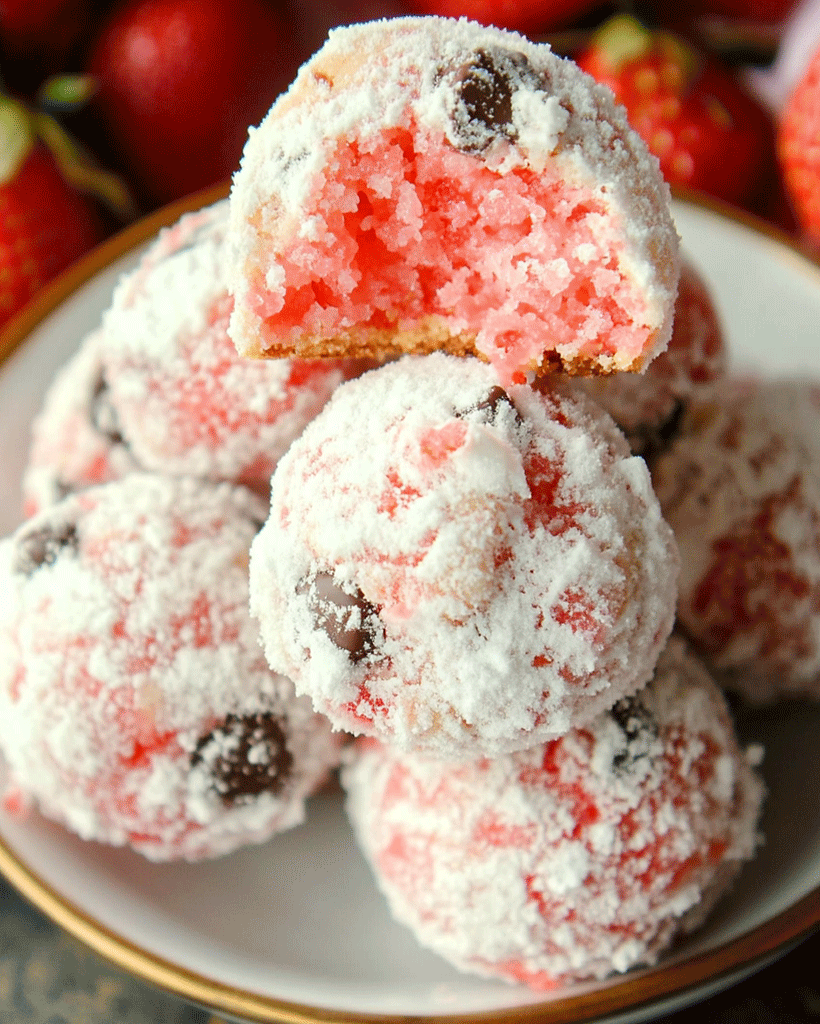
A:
[160,386]
[437,242]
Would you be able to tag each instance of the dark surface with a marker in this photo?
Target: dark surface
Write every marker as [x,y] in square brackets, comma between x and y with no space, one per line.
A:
[46,977]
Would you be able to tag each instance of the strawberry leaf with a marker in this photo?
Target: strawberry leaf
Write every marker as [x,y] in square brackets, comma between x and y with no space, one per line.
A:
[17,137]
[81,169]
[622,39]
[64,94]
[681,60]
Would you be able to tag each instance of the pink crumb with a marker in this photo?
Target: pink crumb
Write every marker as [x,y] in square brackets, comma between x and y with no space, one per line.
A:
[526,263]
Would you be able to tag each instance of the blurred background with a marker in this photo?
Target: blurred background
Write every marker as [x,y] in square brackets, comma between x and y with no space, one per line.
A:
[110,110]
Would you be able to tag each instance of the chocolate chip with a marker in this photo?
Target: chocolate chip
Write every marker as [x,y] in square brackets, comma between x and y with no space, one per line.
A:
[496,399]
[343,613]
[668,430]
[61,489]
[103,415]
[246,756]
[640,731]
[652,441]
[42,545]
[483,89]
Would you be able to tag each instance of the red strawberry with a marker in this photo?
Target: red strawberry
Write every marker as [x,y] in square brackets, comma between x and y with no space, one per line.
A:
[758,11]
[30,26]
[313,19]
[521,15]
[798,149]
[45,223]
[708,133]
[180,81]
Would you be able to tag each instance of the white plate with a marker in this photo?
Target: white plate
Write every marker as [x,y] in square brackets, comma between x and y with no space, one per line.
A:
[295,930]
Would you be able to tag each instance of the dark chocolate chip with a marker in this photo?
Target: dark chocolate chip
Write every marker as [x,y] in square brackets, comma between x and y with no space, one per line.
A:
[483,89]
[42,545]
[651,441]
[485,101]
[103,415]
[639,728]
[61,489]
[496,399]
[246,756]
[343,613]
[670,427]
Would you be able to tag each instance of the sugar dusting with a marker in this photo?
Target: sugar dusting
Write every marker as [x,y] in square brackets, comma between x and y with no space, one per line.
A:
[364,209]
[186,401]
[741,489]
[125,639]
[510,559]
[464,572]
[76,440]
[574,859]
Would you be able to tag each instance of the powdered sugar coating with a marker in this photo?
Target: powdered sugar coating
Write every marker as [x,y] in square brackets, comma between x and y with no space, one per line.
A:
[76,438]
[648,406]
[741,489]
[136,706]
[458,569]
[186,401]
[569,860]
[429,183]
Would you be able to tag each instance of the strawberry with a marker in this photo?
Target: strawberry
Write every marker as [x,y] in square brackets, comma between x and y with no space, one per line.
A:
[48,217]
[798,150]
[760,11]
[311,20]
[45,224]
[707,131]
[180,81]
[31,26]
[521,15]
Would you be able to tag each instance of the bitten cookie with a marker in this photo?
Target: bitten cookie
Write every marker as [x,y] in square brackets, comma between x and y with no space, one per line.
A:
[458,568]
[434,184]
[741,489]
[136,706]
[574,859]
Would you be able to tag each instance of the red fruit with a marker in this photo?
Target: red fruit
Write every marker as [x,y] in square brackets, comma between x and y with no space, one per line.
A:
[761,12]
[180,81]
[313,19]
[798,149]
[45,224]
[27,26]
[707,131]
[520,15]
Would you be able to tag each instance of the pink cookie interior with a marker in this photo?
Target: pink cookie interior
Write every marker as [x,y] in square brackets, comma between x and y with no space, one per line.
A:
[402,228]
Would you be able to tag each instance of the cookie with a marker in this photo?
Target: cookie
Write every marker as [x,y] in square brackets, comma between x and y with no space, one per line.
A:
[458,568]
[740,487]
[574,859]
[76,437]
[136,706]
[186,402]
[433,184]
[648,406]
